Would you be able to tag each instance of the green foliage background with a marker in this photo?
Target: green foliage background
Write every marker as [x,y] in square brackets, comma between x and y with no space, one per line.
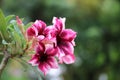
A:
[97,23]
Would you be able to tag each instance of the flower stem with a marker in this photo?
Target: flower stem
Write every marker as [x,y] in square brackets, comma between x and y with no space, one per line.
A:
[4,61]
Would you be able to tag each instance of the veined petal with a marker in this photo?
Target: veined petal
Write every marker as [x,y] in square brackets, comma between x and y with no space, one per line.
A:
[52,51]
[59,24]
[68,59]
[32,31]
[40,25]
[66,47]
[60,54]
[52,62]
[44,67]
[40,48]
[34,60]
[68,34]
[50,31]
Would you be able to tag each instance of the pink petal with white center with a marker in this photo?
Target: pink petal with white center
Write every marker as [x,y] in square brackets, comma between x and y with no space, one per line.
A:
[68,34]
[39,49]
[59,24]
[44,67]
[67,47]
[68,59]
[52,51]
[52,62]
[32,31]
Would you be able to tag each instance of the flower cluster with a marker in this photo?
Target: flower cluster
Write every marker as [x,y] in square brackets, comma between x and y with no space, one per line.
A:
[52,44]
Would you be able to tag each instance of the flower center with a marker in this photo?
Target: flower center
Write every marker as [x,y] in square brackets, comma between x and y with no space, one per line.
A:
[58,40]
[43,58]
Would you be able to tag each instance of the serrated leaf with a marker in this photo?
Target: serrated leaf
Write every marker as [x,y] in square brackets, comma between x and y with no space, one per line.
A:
[8,18]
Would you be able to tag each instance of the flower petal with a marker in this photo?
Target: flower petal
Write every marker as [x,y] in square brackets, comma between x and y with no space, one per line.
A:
[73,42]
[40,48]
[44,67]
[68,34]
[68,59]
[40,25]
[59,24]
[52,62]
[40,37]
[50,31]
[66,47]
[34,60]
[32,31]
[52,51]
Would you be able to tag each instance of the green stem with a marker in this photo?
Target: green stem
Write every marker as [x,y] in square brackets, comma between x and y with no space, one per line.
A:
[4,61]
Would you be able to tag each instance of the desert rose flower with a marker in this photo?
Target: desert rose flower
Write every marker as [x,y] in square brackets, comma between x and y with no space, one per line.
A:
[35,33]
[40,25]
[44,58]
[36,29]
[38,33]
[64,41]
[31,32]
[51,43]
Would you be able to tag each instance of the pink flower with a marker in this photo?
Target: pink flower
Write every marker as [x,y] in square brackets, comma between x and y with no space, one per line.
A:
[35,33]
[36,29]
[40,26]
[64,41]
[32,32]
[51,42]
[44,58]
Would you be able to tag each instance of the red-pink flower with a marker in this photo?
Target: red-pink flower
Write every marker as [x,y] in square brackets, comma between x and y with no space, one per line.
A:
[51,42]
[32,32]
[36,30]
[35,33]
[64,41]
[44,58]
[40,25]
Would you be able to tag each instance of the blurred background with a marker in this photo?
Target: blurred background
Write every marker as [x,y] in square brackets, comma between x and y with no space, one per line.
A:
[97,50]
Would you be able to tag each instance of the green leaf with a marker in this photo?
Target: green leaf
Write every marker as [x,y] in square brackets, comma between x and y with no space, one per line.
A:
[16,36]
[3,25]
[13,22]
[8,18]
